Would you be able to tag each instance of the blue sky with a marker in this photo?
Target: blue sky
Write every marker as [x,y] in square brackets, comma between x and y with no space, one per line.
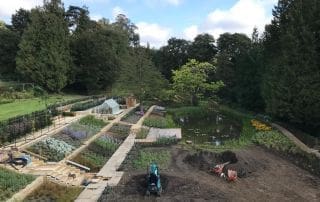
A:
[158,20]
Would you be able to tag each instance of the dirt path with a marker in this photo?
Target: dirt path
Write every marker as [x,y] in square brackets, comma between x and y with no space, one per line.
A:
[268,178]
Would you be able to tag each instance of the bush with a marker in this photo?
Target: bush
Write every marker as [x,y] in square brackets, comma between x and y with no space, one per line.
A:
[85,105]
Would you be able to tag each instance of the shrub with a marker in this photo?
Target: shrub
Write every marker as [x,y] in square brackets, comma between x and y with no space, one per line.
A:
[86,105]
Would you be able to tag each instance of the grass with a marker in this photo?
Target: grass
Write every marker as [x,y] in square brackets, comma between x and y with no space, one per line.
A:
[146,157]
[50,191]
[160,122]
[25,106]
[11,182]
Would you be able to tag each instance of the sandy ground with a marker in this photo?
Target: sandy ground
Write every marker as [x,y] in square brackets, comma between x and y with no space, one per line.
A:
[265,177]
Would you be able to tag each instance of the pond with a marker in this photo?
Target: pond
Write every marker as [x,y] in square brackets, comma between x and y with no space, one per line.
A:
[214,128]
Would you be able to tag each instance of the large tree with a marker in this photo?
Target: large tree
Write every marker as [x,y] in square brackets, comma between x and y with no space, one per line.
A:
[172,56]
[203,48]
[190,82]
[44,56]
[292,78]
[9,41]
[231,48]
[139,76]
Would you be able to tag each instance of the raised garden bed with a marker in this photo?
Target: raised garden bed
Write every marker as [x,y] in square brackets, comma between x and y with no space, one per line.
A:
[12,182]
[121,131]
[157,121]
[98,153]
[55,148]
[50,191]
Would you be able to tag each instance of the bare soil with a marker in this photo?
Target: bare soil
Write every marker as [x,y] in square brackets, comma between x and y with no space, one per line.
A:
[263,176]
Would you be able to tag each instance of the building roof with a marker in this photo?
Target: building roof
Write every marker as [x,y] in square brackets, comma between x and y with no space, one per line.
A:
[111,103]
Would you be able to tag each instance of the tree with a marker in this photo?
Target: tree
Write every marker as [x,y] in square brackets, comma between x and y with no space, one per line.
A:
[291,80]
[124,24]
[171,56]
[231,48]
[20,20]
[139,77]
[97,54]
[191,81]
[44,56]
[203,48]
[9,41]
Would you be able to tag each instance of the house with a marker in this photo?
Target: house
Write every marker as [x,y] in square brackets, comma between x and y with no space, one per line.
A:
[109,106]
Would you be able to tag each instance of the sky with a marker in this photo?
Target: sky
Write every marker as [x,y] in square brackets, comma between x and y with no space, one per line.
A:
[159,20]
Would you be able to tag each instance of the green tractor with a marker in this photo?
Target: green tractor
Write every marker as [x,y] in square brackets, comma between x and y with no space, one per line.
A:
[153,180]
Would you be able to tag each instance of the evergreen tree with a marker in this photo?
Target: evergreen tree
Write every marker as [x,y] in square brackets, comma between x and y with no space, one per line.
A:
[44,56]
[292,79]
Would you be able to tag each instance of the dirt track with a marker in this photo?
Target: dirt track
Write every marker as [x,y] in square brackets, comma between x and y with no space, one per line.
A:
[266,177]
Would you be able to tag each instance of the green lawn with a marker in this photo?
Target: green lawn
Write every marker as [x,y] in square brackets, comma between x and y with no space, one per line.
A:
[25,106]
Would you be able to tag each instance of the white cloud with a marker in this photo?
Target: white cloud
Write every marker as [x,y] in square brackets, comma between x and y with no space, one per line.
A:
[191,32]
[155,3]
[153,34]
[7,8]
[242,17]
[116,11]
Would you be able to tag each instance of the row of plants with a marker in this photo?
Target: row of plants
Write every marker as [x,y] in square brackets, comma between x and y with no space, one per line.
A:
[121,131]
[98,153]
[86,105]
[11,182]
[143,154]
[160,122]
[50,191]
[57,147]
[17,127]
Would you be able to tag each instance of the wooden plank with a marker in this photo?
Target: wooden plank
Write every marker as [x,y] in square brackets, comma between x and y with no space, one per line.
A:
[77,165]
[35,155]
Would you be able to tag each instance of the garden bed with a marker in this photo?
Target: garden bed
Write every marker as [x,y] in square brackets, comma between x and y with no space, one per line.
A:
[157,121]
[98,152]
[50,191]
[55,148]
[133,116]
[12,182]
[120,131]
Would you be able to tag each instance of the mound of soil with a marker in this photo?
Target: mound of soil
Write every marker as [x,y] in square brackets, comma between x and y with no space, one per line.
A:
[207,160]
